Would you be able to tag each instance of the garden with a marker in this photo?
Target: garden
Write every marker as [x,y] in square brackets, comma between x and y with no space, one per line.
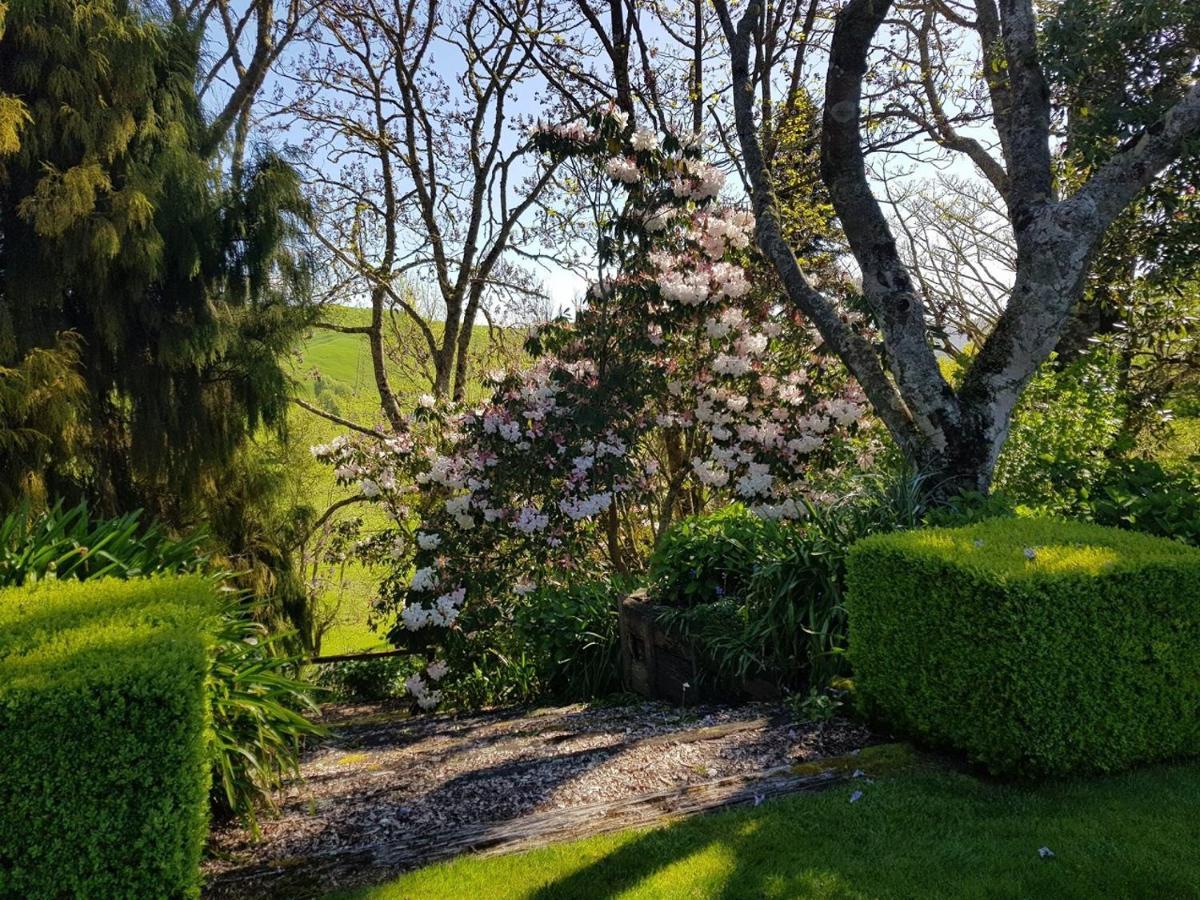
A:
[588,449]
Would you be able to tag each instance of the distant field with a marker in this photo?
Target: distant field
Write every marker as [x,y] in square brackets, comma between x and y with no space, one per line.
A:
[333,371]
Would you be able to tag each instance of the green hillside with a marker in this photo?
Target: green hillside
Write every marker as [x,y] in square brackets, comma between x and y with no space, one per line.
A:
[333,371]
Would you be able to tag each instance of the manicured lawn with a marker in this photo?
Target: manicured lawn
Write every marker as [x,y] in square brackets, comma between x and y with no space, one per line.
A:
[920,835]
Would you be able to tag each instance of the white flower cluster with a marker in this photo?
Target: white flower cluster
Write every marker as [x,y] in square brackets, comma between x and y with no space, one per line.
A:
[448,471]
[459,507]
[709,474]
[730,280]
[844,412]
[529,520]
[644,140]
[443,613]
[698,181]
[575,130]
[576,508]
[757,481]
[425,579]
[727,364]
[426,697]
[657,221]
[717,233]
[688,288]
[622,169]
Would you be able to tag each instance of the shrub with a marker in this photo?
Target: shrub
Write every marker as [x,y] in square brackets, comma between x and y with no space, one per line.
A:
[571,632]
[260,712]
[259,704]
[366,680]
[69,543]
[789,624]
[1037,646]
[104,736]
[707,557]
[1145,496]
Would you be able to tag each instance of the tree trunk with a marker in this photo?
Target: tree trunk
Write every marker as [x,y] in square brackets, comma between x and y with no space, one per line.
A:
[387,399]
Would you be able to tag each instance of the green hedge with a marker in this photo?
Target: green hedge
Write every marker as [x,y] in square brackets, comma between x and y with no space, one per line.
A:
[1037,646]
[104,724]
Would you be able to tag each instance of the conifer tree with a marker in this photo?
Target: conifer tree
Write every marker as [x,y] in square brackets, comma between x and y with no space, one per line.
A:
[185,290]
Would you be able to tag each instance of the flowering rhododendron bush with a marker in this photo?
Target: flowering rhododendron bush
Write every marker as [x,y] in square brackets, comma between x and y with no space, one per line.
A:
[679,383]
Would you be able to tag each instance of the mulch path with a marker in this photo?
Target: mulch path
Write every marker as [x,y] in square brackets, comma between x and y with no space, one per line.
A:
[387,792]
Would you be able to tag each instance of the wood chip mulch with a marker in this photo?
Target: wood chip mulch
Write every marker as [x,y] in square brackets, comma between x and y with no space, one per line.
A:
[419,788]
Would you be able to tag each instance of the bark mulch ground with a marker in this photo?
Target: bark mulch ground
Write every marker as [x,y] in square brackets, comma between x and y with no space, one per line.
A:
[387,792]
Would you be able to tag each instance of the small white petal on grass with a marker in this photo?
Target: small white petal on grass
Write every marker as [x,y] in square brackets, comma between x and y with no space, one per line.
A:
[1045,853]
[856,796]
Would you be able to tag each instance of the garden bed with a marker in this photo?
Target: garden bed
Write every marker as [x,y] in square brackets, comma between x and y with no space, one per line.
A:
[386,793]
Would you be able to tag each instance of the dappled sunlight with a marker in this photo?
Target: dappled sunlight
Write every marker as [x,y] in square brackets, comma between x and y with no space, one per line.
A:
[714,865]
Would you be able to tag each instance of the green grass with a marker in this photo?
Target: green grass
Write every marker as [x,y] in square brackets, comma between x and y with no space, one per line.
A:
[917,835]
[348,603]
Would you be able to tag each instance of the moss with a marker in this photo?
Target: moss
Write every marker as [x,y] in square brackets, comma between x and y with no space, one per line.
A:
[878,760]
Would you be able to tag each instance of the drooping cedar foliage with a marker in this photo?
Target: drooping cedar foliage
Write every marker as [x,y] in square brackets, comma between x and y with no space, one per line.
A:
[185,290]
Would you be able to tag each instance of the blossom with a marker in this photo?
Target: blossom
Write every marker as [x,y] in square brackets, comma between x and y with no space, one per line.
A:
[731,365]
[524,587]
[751,344]
[585,507]
[428,541]
[425,579]
[619,116]
[688,288]
[805,444]
[458,506]
[658,220]
[844,412]
[427,401]
[644,140]
[709,474]
[437,669]
[757,481]
[575,130]
[699,181]
[731,280]
[623,170]
[529,520]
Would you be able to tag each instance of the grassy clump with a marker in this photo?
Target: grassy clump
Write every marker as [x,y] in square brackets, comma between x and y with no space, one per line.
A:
[104,725]
[1036,646]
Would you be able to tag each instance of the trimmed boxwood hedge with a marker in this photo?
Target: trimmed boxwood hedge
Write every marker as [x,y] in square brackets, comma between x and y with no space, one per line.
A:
[1037,646]
[104,766]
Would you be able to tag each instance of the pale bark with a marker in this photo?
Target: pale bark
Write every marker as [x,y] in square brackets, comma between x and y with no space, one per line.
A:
[956,434]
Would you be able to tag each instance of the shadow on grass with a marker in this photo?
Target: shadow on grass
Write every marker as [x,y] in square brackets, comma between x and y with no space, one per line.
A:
[945,835]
